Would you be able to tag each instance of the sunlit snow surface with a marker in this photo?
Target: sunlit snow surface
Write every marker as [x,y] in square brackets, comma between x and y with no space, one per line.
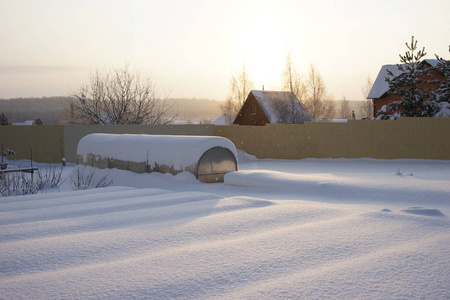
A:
[307,229]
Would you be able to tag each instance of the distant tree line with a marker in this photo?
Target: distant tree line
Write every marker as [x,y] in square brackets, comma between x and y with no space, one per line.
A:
[56,110]
[4,121]
[48,110]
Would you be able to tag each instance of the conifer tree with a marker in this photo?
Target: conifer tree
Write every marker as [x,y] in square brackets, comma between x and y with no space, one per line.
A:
[416,100]
[443,92]
[443,67]
[3,119]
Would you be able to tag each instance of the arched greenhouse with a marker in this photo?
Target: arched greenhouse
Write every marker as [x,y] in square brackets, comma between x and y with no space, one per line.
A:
[208,158]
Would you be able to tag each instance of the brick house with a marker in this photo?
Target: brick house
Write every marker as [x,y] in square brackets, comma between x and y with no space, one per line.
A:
[380,94]
[262,107]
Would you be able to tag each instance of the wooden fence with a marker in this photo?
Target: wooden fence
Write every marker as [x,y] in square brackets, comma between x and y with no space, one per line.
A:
[426,138]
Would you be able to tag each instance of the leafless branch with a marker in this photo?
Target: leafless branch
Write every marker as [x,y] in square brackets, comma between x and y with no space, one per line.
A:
[118,97]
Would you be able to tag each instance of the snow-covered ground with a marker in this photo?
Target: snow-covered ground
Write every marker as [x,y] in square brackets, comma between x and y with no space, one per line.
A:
[306,229]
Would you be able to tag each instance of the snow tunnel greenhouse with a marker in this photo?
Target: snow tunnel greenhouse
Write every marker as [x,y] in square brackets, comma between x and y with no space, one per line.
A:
[209,158]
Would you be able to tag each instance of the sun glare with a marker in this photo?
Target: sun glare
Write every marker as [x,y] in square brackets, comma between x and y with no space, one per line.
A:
[263,48]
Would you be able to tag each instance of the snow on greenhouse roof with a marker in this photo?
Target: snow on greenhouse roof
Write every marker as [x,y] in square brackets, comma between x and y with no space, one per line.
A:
[177,151]
[380,86]
[271,103]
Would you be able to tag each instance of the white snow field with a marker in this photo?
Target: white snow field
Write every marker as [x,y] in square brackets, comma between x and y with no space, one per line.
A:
[276,229]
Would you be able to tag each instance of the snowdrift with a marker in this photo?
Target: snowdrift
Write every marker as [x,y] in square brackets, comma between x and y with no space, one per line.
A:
[122,243]
[208,158]
[336,188]
[277,229]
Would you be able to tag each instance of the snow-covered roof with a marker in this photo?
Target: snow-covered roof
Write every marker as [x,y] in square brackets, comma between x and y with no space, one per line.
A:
[335,121]
[29,122]
[277,106]
[380,86]
[177,151]
[224,120]
[431,62]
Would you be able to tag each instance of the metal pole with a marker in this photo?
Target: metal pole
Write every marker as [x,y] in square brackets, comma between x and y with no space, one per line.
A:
[31,154]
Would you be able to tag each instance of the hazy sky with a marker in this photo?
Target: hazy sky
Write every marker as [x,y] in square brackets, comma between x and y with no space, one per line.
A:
[191,48]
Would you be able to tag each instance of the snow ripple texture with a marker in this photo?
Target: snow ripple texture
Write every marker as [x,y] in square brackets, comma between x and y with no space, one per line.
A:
[181,239]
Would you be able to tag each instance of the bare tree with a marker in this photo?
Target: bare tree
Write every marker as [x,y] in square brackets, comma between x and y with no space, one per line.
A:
[345,109]
[228,109]
[240,88]
[318,104]
[293,80]
[367,110]
[119,96]
[293,113]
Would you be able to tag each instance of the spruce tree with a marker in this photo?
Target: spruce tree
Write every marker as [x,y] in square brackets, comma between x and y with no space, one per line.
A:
[3,119]
[416,100]
[443,67]
[443,92]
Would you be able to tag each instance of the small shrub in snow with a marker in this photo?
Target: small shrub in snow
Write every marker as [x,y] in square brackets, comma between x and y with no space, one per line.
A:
[51,175]
[19,183]
[82,181]
[13,184]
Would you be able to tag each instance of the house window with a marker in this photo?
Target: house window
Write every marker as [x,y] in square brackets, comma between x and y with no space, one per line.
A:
[253,109]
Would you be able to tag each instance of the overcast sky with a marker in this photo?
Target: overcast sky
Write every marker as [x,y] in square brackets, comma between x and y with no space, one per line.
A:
[192,48]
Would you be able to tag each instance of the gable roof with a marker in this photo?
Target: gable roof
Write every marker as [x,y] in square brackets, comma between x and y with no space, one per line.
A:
[277,106]
[381,87]
[224,120]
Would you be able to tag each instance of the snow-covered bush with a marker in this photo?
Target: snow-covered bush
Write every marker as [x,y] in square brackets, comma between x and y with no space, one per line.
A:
[444,110]
[443,67]
[83,178]
[20,183]
[51,176]
[12,184]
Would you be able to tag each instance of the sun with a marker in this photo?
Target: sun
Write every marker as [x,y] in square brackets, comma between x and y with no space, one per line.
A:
[264,48]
